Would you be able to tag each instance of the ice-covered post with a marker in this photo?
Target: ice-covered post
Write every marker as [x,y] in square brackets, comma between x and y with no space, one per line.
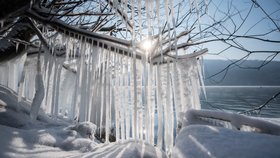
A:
[40,92]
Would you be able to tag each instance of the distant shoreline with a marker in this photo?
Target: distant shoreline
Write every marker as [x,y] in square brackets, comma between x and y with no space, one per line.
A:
[242,86]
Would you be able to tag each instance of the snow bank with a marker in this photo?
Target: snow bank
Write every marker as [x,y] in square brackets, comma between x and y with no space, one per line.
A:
[16,114]
[216,142]
[21,143]
[200,136]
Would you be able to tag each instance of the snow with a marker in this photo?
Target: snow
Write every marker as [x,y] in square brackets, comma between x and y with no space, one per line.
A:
[127,149]
[109,92]
[47,136]
[216,142]
[62,138]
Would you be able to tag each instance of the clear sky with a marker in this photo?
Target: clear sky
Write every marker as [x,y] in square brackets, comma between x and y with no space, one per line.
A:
[256,23]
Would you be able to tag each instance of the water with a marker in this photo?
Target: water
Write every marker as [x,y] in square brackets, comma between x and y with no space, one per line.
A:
[237,99]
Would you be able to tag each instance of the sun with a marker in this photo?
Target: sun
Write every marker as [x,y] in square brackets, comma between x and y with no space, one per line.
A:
[147,44]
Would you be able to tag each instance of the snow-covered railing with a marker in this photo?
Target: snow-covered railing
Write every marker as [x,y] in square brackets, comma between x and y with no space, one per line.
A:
[236,121]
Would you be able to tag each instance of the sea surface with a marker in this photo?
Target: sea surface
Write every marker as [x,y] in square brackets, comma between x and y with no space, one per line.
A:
[242,98]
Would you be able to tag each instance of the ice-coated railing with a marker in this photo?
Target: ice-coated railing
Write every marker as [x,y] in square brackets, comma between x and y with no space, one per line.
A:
[230,120]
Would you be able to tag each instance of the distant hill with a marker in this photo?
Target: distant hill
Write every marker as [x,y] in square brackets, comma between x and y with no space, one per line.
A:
[268,75]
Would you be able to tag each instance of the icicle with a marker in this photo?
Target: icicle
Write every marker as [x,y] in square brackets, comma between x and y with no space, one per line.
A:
[190,84]
[145,95]
[121,91]
[159,98]
[176,93]
[135,133]
[21,85]
[164,104]
[168,112]
[94,80]
[150,104]
[126,96]
[57,87]
[2,23]
[54,87]
[107,94]
[82,102]
[131,92]
[200,70]
[48,80]
[91,81]
[31,4]
[140,96]
[117,117]
[17,44]
[103,87]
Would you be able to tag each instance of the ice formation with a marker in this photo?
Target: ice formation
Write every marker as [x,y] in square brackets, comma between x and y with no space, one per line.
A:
[109,84]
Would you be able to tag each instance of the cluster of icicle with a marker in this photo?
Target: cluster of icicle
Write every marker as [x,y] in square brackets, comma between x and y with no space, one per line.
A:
[105,92]
[137,98]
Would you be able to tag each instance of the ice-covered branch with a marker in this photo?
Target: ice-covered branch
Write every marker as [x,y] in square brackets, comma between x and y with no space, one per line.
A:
[259,108]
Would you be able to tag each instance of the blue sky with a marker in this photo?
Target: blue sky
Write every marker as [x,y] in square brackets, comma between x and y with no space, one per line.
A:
[263,25]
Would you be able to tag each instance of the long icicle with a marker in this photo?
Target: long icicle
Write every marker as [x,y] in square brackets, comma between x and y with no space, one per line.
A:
[126,96]
[108,95]
[134,75]
[116,94]
[159,107]
[102,78]
[121,90]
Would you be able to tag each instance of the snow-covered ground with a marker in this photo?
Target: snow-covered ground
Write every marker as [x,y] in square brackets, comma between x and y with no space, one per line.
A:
[58,137]
[49,137]
[217,142]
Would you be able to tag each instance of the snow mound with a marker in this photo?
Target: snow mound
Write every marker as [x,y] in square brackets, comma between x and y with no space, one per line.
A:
[85,129]
[201,141]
